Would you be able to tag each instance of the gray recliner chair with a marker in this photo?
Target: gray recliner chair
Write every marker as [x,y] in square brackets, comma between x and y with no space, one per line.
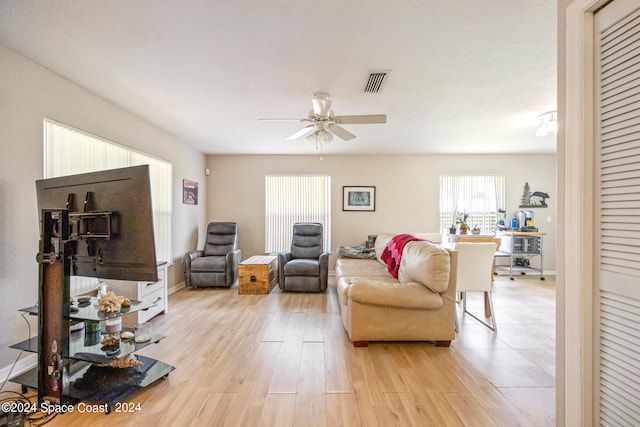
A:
[306,267]
[217,264]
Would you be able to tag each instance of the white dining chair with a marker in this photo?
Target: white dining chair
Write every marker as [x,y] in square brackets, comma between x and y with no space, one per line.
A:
[475,274]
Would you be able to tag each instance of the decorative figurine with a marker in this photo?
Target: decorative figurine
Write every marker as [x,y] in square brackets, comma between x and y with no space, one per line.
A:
[527,202]
[543,197]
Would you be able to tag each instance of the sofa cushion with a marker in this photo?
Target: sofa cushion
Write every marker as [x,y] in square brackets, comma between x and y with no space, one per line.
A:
[388,293]
[392,254]
[306,242]
[222,237]
[209,264]
[344,283]
[302,267]
[427,264]
[360,267]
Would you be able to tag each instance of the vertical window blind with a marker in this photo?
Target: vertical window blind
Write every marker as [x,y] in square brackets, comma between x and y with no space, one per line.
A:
[69,151]
[479,196]
[295,198]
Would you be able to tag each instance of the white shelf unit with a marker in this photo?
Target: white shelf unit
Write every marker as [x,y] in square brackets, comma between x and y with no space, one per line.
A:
[521,247]
[154,293]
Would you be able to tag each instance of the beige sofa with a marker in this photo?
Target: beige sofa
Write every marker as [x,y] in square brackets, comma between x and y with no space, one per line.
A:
[418,306]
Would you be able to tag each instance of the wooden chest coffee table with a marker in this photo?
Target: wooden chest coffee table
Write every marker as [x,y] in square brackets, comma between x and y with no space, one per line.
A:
[258,274]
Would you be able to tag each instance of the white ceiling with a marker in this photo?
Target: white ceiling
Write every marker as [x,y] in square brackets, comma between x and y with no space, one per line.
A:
[467,76]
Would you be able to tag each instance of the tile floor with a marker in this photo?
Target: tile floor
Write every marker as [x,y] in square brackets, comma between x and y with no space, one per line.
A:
[519,358]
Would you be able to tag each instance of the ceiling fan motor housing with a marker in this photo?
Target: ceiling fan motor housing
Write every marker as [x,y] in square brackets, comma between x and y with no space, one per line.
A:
[321,104]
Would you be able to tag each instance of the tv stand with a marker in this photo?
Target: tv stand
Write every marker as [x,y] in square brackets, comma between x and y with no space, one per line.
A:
[86,380]
[71,364]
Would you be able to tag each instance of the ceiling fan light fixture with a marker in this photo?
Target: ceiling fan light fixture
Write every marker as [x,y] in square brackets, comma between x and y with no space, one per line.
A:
[326,136]
[552,126]
[320,136]
[547,123]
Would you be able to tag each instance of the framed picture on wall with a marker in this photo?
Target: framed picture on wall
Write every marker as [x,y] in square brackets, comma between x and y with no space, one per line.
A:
[189,192]
[359,198]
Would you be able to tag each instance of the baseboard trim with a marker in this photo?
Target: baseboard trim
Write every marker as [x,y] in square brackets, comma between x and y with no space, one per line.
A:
[516,273]
[175,288]
[22,365]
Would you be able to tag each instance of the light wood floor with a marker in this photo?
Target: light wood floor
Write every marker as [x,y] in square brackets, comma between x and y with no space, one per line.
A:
[285,360]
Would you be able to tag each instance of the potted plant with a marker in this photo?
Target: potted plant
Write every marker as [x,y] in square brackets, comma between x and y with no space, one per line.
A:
[452,229]
[462,221]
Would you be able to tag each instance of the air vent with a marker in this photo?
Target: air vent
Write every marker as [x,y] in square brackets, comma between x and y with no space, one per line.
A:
[376,81]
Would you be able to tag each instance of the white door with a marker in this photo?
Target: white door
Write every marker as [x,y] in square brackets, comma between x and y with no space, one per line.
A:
[617,219]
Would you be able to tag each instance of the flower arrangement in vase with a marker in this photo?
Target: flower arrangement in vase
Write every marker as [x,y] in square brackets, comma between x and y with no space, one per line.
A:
[462,221]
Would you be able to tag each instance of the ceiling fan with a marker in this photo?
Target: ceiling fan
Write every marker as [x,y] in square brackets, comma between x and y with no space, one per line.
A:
[323,124]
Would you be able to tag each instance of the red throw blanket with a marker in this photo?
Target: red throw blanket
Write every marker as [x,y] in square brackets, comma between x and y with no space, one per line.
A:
[392,254]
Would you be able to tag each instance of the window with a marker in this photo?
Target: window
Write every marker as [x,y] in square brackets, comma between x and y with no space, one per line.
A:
[69,151]
[479,196]
[295,198]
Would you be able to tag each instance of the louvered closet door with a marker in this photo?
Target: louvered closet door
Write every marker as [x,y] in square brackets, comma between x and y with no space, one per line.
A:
[617,298]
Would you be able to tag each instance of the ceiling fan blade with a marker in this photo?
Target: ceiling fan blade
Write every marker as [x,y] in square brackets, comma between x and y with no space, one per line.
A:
[340,132]
[321,104]
[302,132]
[282,120]
[362,119]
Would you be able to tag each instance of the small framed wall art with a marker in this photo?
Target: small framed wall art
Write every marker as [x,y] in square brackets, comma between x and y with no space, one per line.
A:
[189,192]
[359,198]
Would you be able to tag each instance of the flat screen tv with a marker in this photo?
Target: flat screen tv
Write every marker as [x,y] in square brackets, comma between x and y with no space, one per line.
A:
[111,220]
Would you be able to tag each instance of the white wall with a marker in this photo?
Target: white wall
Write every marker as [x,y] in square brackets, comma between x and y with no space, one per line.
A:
[28,93]
[407,191]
